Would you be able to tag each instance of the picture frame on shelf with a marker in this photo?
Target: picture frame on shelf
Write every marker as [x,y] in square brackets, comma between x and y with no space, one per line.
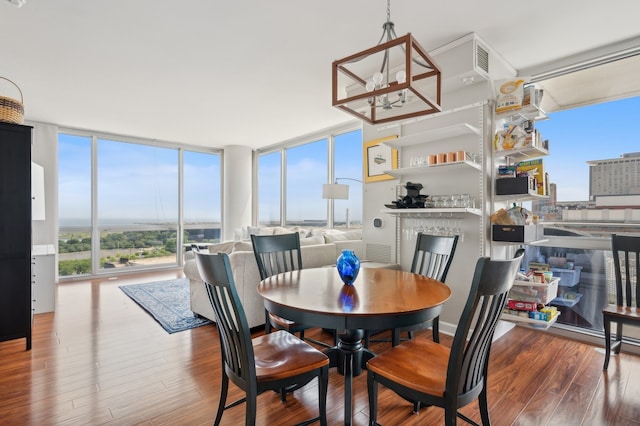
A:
[379,157]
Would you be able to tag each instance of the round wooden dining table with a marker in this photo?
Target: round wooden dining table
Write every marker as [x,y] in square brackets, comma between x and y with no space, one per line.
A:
[378,299]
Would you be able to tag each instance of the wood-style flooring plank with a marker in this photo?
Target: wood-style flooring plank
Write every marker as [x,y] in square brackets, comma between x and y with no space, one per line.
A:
[102,360]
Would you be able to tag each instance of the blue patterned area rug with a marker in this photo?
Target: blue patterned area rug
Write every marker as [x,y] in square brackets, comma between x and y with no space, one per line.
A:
[167,302]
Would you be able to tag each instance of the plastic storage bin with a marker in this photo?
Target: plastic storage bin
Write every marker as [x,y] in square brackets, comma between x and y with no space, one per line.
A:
[568,277]
[528,291]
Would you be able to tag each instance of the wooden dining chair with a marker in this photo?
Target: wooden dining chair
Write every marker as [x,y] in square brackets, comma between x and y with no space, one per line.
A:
[276,254]
[432,258]
[429,373]
[274,361]
[626,264]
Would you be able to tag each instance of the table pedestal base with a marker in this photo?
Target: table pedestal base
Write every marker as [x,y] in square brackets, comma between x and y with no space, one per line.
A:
[350,357]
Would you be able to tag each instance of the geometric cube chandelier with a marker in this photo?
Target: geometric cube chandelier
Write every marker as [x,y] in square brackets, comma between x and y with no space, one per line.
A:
[394,80]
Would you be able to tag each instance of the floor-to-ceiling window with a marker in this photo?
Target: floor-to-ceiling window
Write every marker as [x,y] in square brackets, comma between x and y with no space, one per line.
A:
[306,171]
[269,188]
[577,225]
[594,181]
[347,164]
[137,204]
[290,179]
[201,197]
[74,204]
[120,203]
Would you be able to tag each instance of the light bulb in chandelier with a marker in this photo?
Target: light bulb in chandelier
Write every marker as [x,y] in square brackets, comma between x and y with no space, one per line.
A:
[377,78]
[383,101]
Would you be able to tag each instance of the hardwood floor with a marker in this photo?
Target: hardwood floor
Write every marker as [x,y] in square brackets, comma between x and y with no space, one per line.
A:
[101,359]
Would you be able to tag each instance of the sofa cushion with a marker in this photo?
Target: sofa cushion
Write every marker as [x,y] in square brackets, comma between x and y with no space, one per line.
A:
[312,241]
[318,255]
[242,246]
[332,237]
[247,246]
[357,246]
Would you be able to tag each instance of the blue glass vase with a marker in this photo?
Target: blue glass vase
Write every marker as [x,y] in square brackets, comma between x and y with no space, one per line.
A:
[348,266]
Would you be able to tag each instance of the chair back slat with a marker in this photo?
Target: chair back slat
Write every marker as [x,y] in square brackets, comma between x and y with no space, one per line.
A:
[233,328]
[626,259]
[276,254]
[471,346]
[433,255]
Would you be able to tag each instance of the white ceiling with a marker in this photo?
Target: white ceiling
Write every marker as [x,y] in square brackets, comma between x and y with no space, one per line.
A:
[253,72]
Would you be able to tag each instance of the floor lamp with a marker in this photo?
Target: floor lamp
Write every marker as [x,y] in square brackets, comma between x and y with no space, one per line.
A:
[338,191]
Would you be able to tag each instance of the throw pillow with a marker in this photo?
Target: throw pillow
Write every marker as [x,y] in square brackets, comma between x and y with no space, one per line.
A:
[242,246]
[343,236]
[311,241]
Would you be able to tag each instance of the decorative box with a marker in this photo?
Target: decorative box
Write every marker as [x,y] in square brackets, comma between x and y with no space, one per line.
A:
[514,233]
[516,185]
[519,305]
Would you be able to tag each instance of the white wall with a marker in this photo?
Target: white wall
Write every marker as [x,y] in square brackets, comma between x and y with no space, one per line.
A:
[44,151]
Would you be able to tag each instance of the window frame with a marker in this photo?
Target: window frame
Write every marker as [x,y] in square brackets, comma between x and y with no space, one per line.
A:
[95,229]
[329,134]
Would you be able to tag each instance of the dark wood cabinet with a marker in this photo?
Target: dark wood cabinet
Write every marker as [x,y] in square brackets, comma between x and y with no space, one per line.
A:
[15,232]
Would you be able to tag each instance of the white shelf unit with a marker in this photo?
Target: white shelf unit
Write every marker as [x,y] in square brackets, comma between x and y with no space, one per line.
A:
[434,211]
[434,168]
[517,155]
[528,322]
[519,197]
[513,156]
[528,112]
[447,132]
[468,129]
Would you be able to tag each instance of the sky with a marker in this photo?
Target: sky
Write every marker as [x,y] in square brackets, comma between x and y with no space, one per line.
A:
[136,183]
[595,132]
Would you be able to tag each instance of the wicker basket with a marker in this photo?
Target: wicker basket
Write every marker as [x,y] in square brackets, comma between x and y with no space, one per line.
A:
[11,110]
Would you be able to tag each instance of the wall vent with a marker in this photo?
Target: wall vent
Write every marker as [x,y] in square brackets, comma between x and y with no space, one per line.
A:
[469,60]
[482,58]
[379,253]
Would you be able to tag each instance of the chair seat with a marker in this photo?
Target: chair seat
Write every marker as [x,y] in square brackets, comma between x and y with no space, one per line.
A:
[631,313]
[281,354]
[419,364]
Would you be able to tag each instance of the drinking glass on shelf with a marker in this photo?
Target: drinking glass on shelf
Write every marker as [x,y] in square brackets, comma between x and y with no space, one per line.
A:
[449,201]
[407,231]
[465,200]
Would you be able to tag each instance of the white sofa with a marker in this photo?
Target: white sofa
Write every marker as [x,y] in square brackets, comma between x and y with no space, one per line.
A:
[246,275]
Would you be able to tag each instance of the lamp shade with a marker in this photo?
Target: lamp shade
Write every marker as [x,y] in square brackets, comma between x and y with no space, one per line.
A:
[335,191]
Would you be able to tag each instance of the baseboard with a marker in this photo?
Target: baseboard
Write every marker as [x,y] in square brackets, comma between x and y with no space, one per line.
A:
[502,328]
